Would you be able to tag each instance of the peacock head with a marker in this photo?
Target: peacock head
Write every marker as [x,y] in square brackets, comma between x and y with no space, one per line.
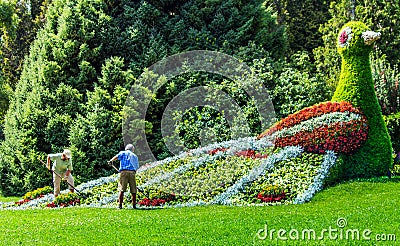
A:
[355,38]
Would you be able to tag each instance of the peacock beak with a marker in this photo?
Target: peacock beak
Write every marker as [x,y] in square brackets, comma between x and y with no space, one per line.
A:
[370,37]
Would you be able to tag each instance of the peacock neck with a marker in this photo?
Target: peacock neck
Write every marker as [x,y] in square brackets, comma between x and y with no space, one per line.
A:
[355,84]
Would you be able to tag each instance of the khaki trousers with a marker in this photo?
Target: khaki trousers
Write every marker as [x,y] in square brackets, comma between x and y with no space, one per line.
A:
[57,182]
[125,178]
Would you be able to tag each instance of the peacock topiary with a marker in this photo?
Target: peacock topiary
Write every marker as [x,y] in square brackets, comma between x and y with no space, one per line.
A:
[356,86]
[351,124]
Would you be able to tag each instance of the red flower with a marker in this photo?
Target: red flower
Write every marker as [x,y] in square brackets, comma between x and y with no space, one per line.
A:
[271,197]
[310,112]
[156,201]
[51,205]
[341,137]
[246,153]
[214,151]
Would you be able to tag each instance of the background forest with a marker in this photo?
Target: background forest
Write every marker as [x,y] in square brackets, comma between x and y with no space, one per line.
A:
[67,67]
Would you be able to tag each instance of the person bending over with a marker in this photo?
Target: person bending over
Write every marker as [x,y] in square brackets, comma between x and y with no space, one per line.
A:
[62,165]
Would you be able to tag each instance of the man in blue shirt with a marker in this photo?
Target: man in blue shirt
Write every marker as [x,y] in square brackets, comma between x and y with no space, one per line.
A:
[129,164]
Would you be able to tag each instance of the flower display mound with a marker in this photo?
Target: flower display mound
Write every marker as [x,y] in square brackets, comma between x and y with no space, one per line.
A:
[244,172]
[336,126]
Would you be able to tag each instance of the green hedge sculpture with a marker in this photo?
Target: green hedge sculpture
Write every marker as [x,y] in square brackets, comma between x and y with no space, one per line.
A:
[356,86]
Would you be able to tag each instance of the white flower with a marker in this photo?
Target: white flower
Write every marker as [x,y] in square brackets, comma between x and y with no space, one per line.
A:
[329,161]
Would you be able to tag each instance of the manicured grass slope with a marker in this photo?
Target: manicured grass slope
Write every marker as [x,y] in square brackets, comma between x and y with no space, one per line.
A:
[365,205]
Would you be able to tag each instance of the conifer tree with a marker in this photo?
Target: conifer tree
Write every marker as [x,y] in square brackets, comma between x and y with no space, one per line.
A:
[302,20]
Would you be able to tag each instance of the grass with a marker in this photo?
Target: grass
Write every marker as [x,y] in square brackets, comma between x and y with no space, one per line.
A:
[9,198]
[372,206]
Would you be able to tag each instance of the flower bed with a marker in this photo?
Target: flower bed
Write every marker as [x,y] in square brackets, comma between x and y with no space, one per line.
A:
[64,200]
[203,182]
[32,195]
[300,177]
[327,126]
[272,193]
[40,192]
[309,113]
[234,173]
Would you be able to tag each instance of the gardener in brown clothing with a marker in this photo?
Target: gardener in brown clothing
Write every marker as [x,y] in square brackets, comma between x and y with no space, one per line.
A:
[129,164]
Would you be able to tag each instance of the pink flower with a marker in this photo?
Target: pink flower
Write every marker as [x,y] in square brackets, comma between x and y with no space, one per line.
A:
[343,37]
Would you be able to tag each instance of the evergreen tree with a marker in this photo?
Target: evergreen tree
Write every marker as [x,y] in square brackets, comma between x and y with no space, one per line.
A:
[302,20]
[19,22]
[7,20]
[18,32]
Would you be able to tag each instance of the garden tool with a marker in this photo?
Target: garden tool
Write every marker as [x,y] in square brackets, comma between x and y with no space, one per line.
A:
[52,171]
[110,163]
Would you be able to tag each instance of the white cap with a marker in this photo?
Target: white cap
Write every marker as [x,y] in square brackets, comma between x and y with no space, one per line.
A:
[67,153]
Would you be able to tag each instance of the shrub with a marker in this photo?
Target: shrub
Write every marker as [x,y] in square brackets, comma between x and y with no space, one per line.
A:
[298,87]
[386,80]
[393,125]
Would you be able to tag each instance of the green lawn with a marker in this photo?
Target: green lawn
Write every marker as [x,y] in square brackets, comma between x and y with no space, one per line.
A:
[8,199]
[369,208]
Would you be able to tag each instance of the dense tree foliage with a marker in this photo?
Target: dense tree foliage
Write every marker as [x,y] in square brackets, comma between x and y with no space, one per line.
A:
[297,87]
[19,22]
[7,18]
[386,79]
[302,20]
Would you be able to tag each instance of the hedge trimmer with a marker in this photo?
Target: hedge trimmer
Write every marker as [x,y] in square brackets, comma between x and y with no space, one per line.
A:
[53,172]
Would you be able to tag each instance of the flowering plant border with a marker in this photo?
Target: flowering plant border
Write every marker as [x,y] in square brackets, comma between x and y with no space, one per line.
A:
[329,161]
[310,112]
[240,185]
[336,126]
